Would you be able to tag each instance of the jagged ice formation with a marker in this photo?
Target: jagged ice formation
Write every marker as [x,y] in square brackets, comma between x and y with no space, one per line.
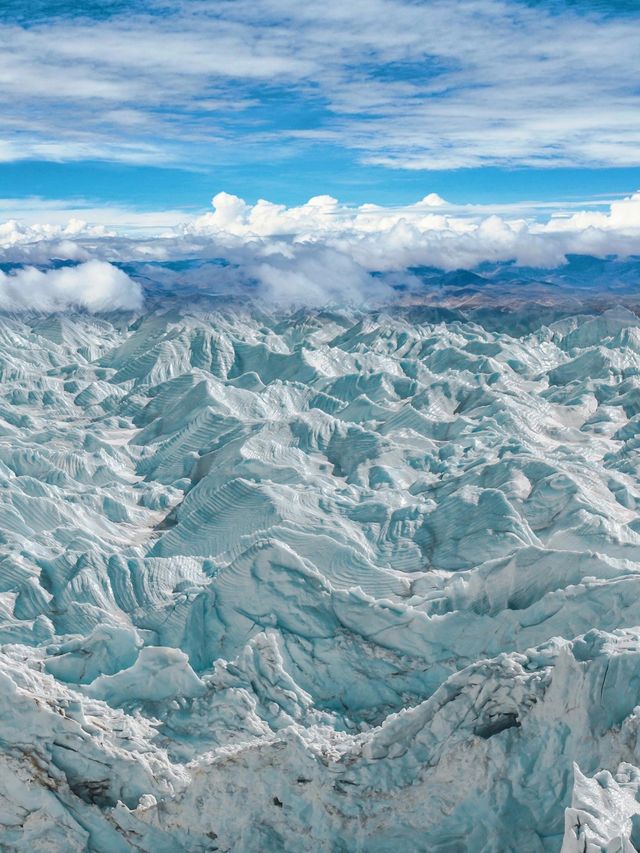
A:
[324,581]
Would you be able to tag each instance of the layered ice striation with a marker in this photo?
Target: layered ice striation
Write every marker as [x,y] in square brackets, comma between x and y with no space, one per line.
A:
[319,581]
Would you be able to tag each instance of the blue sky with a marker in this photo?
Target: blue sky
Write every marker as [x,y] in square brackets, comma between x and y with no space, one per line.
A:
[162,104]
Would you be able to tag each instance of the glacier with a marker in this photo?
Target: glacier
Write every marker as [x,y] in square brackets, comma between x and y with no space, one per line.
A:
[340,579]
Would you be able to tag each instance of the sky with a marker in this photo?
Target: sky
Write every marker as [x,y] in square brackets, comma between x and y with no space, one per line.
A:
[311,152]
[142,110]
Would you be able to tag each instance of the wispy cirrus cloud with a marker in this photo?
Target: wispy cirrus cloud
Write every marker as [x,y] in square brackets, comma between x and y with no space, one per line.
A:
[434,85]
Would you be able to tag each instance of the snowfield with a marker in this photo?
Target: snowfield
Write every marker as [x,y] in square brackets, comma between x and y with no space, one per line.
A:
[319,581]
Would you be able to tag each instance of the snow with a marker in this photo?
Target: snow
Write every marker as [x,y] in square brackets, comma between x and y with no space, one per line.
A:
[319,580]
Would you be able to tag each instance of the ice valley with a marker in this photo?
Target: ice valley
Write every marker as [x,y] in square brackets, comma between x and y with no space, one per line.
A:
[319,581]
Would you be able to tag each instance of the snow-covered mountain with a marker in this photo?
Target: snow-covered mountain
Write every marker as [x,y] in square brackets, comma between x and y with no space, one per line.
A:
[332,580]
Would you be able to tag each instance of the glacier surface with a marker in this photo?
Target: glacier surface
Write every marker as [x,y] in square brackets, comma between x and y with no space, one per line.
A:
[332,580]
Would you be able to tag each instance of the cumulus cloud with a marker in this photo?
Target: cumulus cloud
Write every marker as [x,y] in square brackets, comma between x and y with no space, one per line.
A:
[318,252]
[94,286]
[232,215]
[623,215]
[430,232]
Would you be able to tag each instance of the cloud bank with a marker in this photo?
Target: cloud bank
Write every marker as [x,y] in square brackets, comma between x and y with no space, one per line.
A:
[94,286]
[312,254]
[428,233]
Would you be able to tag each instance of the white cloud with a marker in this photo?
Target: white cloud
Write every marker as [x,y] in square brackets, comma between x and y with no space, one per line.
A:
[60,212]
[443,84]
[314,276]
[623,215]
[318,252]
[430,232]
[94,286]
[232,215]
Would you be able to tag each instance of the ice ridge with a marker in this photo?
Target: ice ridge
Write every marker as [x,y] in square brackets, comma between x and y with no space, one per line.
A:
[319,581]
